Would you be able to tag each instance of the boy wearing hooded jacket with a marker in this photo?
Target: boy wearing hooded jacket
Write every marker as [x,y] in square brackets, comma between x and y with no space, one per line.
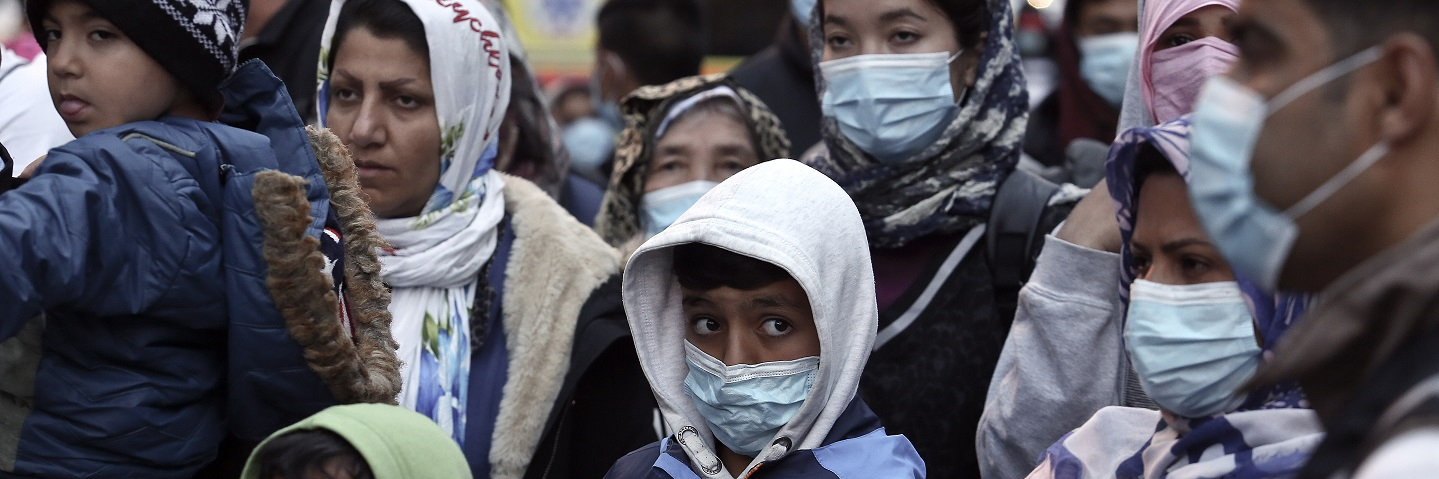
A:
[753,316]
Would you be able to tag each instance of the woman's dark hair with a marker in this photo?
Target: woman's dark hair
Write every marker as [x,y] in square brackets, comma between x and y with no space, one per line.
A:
[969,17]
[703,267]
[384,19]
[1148,161]
[311,453]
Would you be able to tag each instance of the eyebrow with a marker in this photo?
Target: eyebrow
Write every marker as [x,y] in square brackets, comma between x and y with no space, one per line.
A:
[695,301]
[1179,244]
[771,302]
[1251,31]
[733,149]
[90,14]
[1183,22]
[672,149]
[900,13]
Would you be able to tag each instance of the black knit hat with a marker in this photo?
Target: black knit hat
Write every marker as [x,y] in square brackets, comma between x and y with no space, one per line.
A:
[197,41]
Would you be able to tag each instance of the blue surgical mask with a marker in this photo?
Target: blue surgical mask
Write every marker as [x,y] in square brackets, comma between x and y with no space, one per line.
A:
[663,206]
[590,143]
[891,106]
[1192,346]
[1227,120]
[1104,62]
[746,405]
[802,10]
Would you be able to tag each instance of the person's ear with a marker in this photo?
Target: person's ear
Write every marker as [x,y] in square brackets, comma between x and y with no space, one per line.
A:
[964,70]
[1411,89]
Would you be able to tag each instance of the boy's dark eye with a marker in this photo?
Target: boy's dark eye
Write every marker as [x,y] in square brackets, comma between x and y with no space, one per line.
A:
[51,34]
[777,327]
[102,35]
[706,326]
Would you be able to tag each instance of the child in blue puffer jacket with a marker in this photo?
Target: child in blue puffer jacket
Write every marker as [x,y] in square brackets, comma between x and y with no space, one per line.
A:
[171,282]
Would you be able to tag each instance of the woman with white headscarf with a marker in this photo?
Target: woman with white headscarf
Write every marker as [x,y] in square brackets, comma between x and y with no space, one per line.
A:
[506,309]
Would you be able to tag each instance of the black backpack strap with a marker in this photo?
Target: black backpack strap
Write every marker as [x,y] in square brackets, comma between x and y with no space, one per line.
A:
[6,171]
[1014,226]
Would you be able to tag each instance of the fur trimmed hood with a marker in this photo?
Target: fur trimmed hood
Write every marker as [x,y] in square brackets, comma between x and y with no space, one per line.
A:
[364,368]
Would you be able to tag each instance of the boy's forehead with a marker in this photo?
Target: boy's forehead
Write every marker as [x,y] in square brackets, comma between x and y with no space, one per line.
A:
[68,10]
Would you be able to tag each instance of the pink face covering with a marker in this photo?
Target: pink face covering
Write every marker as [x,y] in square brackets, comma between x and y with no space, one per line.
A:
[1178,73]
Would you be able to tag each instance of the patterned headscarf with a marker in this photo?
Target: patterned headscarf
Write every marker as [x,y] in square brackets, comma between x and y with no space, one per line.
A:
[1274,314]
[438,257]
[470,104]
[949,186]
[644,111]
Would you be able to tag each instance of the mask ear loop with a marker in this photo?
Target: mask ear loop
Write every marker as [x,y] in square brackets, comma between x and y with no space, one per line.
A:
[1322,77]
[1349,173]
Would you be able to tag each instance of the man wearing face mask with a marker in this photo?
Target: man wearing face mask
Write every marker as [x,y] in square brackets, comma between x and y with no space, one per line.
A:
[1094,49]
[1312,167]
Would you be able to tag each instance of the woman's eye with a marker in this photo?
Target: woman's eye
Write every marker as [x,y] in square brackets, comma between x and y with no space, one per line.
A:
[407,101]
[102,35]
[837,41]
[52,34]
[669,166]
[777,327]
[706,326]
[1141,266]
[732,166]
[345,94]
[1195,266]
[905,37]
[1178,39]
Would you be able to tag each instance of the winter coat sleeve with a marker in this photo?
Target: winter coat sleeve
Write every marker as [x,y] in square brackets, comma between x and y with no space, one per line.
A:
[1063,360]
[86,232]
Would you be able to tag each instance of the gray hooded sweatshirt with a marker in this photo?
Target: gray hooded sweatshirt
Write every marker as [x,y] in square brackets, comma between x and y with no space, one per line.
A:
[789,215]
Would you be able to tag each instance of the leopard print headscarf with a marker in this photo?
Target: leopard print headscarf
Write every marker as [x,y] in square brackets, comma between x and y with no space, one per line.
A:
[644,110]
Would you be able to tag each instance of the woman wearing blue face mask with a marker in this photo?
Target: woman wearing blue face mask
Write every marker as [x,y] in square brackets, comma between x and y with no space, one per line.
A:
[924,110]
[681,139]
[1195,333]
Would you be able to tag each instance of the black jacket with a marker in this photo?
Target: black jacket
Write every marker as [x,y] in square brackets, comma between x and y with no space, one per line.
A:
[930,380]
[782,77]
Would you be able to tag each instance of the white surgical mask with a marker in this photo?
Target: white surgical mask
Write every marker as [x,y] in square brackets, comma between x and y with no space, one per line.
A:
[1191,345]
[1228,117]
[890,105]
[663,206]
[1104,62]
[746,405]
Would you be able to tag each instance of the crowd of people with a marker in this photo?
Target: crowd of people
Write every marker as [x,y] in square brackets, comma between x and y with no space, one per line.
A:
[285,239]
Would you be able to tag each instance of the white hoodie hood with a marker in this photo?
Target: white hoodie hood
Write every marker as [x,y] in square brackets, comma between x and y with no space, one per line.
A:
[789,215]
